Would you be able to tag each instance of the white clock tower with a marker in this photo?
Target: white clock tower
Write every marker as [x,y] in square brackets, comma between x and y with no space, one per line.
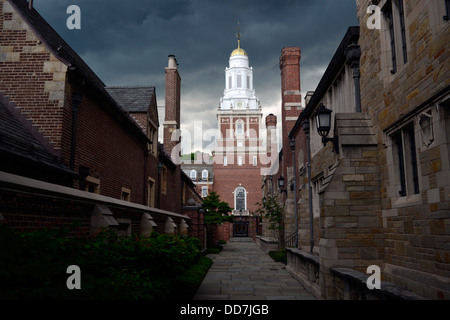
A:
[239,93]
[239,151]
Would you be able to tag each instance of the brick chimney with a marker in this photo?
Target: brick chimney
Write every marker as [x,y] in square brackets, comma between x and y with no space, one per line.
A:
[172,109]
[291,98]
[271,125]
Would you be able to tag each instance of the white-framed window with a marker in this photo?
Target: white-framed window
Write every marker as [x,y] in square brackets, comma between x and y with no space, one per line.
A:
[225,161]
[239,81]
[204,192]
[255,161]
[239,127]
[125,194]
[395,33]
[205,174]
[230,82]
[404,154]
[193,174]
[92,185]
[239,158]
[240,199]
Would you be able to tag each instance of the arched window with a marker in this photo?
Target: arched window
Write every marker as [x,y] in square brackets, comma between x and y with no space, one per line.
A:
[240,199]
[193,175]
[239,127]
[205,174]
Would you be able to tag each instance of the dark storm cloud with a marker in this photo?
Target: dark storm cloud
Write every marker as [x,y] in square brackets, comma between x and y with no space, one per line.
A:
[127,43]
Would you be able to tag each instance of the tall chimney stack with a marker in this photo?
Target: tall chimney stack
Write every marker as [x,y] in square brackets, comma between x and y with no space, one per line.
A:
[291,98]
[172,111]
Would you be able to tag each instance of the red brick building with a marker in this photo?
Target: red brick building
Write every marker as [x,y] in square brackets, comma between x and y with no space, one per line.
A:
[93,139]
[239,156]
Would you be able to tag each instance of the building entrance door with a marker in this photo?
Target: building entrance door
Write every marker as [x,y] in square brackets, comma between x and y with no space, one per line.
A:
[240,229]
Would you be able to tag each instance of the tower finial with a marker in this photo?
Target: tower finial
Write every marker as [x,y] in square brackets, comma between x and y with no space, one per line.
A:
[238,35]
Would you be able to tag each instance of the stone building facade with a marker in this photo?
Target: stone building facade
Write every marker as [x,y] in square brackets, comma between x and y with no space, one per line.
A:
[378,188]
[408,104]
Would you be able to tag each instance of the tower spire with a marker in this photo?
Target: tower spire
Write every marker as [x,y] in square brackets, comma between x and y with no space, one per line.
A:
[238,35]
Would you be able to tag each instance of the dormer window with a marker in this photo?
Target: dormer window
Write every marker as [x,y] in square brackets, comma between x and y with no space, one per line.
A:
[193,175]
[205,174]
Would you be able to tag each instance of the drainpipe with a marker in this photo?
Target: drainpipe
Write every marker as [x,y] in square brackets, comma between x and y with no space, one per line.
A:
[292,145]
[145,198]
[159,184]
[76,102]
[305,126]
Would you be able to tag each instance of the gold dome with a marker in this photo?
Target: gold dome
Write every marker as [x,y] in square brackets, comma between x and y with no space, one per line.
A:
[239,52]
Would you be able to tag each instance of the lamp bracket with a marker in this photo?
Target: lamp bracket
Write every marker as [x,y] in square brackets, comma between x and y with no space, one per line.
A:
[334,140]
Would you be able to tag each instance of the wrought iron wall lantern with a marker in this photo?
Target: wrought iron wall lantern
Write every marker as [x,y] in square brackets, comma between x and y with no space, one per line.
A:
[281,185]
[323,120]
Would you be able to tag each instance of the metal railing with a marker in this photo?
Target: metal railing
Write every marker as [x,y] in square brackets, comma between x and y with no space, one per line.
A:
[291,240]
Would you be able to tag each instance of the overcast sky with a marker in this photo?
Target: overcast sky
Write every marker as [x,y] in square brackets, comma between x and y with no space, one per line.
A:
[128,42]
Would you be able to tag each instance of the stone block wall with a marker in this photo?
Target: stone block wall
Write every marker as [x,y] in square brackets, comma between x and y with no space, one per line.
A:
[416,225]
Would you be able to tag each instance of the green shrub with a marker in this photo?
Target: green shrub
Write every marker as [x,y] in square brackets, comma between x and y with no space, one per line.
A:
[33,265]
[279,256]
[186,285]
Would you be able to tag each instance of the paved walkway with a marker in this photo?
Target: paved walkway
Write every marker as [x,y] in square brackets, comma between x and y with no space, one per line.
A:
[242,271]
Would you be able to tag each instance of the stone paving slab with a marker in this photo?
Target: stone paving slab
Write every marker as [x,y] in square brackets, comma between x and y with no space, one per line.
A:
[242,271]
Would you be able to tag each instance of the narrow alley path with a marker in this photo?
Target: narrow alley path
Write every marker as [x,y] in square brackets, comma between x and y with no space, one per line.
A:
[242,271]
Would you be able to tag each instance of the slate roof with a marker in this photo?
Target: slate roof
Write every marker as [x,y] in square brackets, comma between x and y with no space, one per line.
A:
[19,145]
[132,99]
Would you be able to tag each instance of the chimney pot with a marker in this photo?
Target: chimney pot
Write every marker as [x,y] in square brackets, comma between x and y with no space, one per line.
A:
[172,61]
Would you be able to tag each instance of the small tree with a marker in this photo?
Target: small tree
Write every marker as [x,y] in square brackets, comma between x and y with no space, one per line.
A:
[274,213]
[216,214]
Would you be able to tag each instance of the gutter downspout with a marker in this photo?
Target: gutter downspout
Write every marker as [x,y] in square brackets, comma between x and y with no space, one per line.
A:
[305,125]
[77,98]
[295,196]
[145,200]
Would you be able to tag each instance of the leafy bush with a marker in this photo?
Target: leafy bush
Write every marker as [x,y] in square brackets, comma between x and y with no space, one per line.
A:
[279,256]
[188,283]
[33,265]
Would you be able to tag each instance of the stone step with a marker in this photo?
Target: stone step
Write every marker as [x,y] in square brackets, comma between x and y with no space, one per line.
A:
[241,239]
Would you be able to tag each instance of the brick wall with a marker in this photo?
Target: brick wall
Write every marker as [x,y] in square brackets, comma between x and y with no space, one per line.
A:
[27,66]
[113,154]
[227,179]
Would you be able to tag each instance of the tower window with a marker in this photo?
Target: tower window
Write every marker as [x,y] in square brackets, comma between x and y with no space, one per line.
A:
[239,127]
[239,81]
[240,199]
[230,82]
